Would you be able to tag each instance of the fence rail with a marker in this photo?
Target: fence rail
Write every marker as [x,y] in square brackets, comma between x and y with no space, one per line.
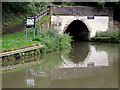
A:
[41,15]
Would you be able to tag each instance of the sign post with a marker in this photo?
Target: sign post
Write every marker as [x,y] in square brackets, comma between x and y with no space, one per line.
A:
[26,33]
[30,23]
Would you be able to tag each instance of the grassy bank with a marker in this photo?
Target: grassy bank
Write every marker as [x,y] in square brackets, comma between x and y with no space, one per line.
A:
[18,39]
[108,36]
[50,37]
[15,40]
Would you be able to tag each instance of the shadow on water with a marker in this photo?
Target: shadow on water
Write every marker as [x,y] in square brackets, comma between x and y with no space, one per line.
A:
[87,65]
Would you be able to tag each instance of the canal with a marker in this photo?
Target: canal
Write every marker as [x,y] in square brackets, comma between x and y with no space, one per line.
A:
[87,65]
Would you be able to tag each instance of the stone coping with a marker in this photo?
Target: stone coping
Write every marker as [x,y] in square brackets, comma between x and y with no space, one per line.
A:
[20,50]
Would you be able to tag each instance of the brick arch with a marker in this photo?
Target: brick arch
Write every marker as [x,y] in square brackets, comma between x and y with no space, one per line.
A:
[82,31]
[83,20]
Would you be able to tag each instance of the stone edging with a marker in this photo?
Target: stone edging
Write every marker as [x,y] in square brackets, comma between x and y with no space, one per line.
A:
[20,50]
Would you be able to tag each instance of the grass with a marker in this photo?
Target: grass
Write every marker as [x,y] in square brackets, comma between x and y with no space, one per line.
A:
[15,40]
[51,38]
[18,39]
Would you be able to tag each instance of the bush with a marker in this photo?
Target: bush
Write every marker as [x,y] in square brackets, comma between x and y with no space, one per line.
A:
[113,34]
[53,40]
[101,5]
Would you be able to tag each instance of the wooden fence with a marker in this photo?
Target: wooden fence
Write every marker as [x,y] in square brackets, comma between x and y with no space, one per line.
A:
[41,15]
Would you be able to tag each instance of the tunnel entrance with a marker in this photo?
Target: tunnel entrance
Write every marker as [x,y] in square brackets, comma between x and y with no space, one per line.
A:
[78,30]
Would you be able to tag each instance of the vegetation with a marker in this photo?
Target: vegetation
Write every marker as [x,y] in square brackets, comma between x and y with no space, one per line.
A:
[13,13]
[112,34]
[18,39]
[15,40]
[47,61]
[51,38]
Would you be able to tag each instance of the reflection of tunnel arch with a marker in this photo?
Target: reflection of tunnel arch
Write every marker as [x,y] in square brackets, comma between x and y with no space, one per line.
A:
[78,30]
[80,51]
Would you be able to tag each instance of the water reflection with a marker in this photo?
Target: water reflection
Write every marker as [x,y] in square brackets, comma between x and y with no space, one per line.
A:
[88,65]
[85,56]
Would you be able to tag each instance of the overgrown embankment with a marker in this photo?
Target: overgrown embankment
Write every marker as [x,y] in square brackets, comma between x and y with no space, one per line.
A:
[18,39]
[108,36]
[51,39]
[13,13]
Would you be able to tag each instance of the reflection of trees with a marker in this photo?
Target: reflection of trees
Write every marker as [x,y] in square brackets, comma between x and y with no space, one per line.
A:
[50,61]
[110,48]
[80,51]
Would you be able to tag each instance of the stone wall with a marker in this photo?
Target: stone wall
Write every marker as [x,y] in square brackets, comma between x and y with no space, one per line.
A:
[99,23]
[81,11]
[116,25]
[62,16]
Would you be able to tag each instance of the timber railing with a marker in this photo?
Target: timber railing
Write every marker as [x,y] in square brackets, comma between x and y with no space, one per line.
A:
[41,15]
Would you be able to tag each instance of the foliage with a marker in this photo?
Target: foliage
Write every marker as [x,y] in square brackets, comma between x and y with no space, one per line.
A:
[18,39]
[13,13]
[53,40]
[29,8]
[68,4]
[101,4]
[113,34]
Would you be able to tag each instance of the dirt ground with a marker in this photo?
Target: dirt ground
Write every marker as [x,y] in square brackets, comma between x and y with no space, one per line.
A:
[15,29]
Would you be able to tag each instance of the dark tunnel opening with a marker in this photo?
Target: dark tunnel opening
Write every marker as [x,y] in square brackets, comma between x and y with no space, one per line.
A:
[78,30]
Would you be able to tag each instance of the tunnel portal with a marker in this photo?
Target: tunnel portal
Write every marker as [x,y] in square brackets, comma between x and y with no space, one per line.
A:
[78,30]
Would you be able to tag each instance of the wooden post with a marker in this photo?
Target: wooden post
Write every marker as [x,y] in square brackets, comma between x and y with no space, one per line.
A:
[34,32]
[26,33]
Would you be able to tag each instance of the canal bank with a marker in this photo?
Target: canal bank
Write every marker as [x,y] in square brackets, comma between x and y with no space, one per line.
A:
[104,39]
[107,36]
[67,68]
[52,41]
[16,58]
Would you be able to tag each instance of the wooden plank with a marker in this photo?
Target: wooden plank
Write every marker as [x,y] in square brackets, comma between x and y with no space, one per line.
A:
[20,50]
[41,16]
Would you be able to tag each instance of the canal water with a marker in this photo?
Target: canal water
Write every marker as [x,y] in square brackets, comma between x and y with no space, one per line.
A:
[87,65]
